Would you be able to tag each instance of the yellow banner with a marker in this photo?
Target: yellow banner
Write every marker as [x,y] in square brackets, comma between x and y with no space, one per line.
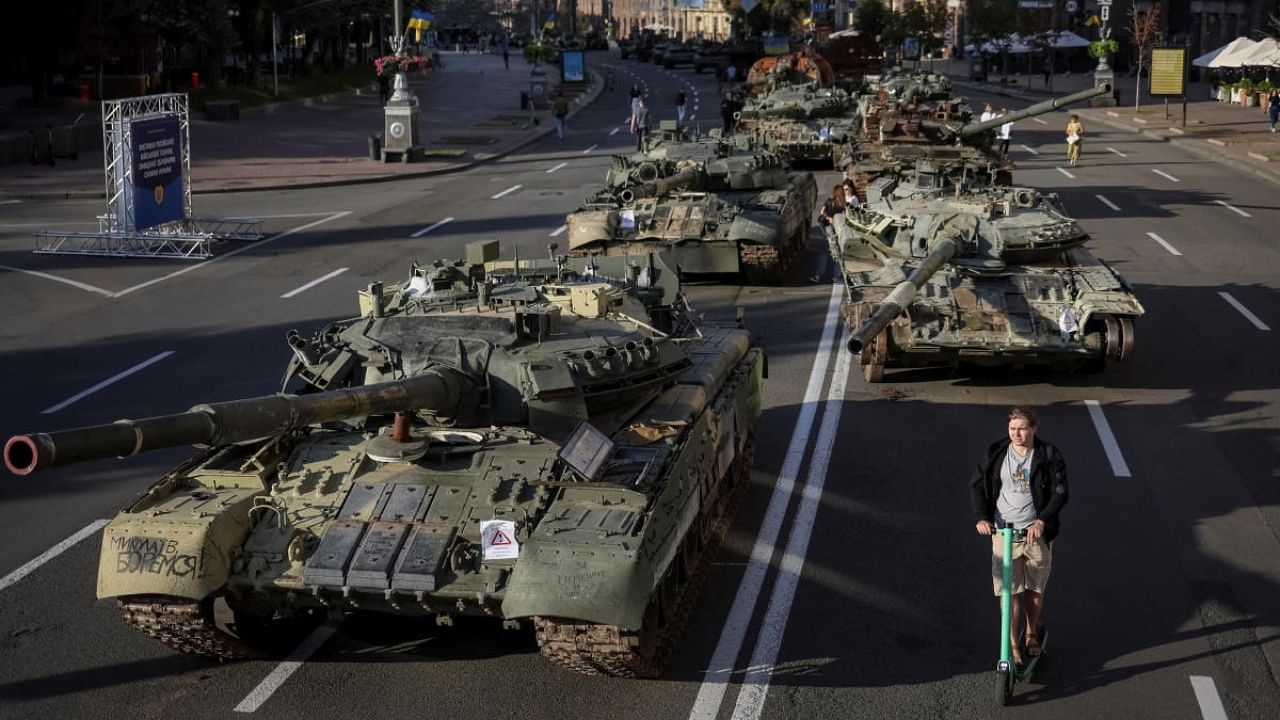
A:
[1168,70]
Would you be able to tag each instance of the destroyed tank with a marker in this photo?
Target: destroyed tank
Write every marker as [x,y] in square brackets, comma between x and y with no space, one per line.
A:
[551,444]
[710,205]
[797,112]
[897,137]
[991,276]
[911,85]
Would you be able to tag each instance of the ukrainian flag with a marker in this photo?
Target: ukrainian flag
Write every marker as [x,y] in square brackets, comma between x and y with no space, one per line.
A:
[550,23]
[420,20]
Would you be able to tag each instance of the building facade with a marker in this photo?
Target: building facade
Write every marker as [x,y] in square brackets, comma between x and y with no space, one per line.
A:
[687,19]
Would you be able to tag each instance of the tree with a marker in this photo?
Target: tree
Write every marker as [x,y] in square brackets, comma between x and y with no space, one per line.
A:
[870,19]
[1144,34]
[777,16]
[993,21]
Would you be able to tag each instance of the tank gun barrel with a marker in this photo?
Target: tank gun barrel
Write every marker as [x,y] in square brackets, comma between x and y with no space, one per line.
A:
[1039,108]
[902,295]
[230,422]
[682,179]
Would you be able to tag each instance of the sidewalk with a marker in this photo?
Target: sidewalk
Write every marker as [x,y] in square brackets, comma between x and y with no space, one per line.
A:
[1230,134]
[469,113]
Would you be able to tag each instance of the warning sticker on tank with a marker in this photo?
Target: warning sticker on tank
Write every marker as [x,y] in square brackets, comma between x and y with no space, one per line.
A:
[627,219]
[498,537]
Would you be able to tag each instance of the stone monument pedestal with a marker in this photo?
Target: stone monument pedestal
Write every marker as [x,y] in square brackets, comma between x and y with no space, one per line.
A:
[1104,75]
[400,124]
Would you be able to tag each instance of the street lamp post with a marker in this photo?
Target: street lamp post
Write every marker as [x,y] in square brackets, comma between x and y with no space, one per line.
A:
[400,114]
[1103,74]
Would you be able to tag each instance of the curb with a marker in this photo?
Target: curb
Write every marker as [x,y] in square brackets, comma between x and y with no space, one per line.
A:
[597,83]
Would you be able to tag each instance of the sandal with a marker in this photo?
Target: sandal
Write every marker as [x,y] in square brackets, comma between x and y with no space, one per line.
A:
[1033,645]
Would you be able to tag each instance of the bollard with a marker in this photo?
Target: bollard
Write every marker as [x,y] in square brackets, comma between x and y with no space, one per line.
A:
[375,147]
[85,95]
[524,100]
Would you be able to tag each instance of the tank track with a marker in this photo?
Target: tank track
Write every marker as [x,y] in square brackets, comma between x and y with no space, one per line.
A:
[183,625]
[593,649]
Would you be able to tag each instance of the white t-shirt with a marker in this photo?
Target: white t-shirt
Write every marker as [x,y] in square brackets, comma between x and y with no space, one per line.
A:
[1006,131]
[988,115]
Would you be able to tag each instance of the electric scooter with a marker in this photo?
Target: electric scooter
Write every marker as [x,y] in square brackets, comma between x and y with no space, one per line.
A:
[1009,674]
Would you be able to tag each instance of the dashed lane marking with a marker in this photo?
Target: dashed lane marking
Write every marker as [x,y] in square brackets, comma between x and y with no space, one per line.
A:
[1103,199]
[313,283]
[1233,208]
[508,191]
[614,131]
[431,227]
[1119,467]
[1066,172]
[106,383]
[588,150]
[1033,152]
[1172,250]
[1207,697]
[1111,149]
[53,552]
[1257,322]
[1040,121]
[55,278]
[557,167]
[558,230]
[1165,175]
[281,673]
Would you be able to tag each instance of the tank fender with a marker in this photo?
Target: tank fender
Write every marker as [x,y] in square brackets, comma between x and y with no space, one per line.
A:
[600,584]
[755,230]
[588,228]
[182,547]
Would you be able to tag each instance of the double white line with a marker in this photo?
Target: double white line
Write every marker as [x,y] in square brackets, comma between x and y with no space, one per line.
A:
[719,673]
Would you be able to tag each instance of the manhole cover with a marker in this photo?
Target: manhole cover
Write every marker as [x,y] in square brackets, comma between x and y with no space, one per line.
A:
[467,140]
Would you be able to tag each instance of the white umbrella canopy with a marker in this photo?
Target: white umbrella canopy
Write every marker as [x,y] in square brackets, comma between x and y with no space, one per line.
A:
[1067,39]
[1266,53]
[1224,56]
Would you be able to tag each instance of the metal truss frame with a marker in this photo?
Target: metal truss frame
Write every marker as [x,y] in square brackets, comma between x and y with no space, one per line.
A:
[117,235]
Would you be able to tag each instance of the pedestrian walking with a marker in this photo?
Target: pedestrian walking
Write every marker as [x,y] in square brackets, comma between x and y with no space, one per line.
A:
[1075,137]
[635,98]
[1021,482]
[681,99]
[560,110]
[1006,133]
[1273,107]
[506,58]
[640,122]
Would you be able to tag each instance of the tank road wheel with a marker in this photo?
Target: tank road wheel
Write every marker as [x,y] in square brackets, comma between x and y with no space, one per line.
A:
[184,625]
[874,357]
[594,649]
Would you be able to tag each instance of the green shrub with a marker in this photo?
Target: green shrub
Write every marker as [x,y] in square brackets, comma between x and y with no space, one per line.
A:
[1101,48]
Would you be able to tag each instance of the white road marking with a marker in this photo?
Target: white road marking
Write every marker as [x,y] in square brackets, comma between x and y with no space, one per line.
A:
[1165,175]
[1066,172]
[614,131]
[511,189]
[1172,250]
[109,381]
[1118,466]
[431,227]
[1033,152]
[51,553]
[558,230]
[1111,149]
[557,167]
[588,150]
[1257,322]
[711,693]
[313,283]
[233,253]
[1207,697]
[1103,199]
[272,682]
[12,201]
[1233,209]
[1040,121]
[755,686]
[55,278]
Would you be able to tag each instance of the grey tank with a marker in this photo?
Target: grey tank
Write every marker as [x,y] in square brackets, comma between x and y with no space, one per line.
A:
[989,276]
[553,444]
[804,123]
[710,204]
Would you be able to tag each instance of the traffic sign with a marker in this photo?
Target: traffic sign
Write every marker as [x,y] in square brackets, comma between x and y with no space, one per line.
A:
[1072,6]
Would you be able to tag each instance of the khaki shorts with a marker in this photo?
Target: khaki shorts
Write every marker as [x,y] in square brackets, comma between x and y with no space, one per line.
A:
[1031,564]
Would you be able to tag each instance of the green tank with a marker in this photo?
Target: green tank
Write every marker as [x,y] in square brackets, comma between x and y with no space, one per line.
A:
[804,123]
[552,444]
[990,276]
[710,204]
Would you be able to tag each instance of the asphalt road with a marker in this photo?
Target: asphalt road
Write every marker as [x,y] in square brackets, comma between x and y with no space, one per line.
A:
[853,584]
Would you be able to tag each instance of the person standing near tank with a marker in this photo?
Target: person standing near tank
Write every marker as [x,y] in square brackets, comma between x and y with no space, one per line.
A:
[640,122]
[681,100]
[1273,108]
[1021,482]
[988,113]
[1075,137]
[1006,133]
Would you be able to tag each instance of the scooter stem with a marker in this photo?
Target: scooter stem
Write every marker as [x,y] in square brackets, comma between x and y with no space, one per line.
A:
[1006,599]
